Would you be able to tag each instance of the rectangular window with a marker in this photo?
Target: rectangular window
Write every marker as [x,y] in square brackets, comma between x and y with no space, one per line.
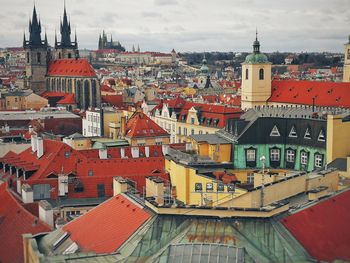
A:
[250,178]
[179,130]
[318,160]
[39,57]
[274,155]
[200,132]
[159,143]
[290,156]
[250,155]
[192,131]
[185,131]
[192,120]
[303,158]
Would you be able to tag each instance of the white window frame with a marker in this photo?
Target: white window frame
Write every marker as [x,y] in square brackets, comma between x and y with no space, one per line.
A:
[251,155]
[307,134]
[293,133]
[318,160]
[304,158]
[290,156]
[321,137]
[275,132]
[275,155]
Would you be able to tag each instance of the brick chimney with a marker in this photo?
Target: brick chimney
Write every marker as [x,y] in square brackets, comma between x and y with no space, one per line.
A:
[123,126]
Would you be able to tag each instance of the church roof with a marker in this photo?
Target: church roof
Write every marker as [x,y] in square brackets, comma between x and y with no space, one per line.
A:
[71,67]
[325,94]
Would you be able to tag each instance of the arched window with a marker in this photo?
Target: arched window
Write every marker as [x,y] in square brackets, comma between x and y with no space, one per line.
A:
[69,55]
[59,55]
[261,74]
[246,74]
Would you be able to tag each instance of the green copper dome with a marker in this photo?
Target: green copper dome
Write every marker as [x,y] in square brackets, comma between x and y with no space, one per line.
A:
[204,68]
[256,58]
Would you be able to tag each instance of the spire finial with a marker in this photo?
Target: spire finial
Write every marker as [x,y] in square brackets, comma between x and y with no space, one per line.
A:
[256,33]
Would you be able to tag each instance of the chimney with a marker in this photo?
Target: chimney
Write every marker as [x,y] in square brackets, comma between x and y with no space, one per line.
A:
[122,126]
[27,194]
[135,152]
[62,184]
[40,147]
[31,129]
[122,153]
[155,188]
[147,151]
[119,186]
[46,212]
[102,153]
[34,143]
[165,149]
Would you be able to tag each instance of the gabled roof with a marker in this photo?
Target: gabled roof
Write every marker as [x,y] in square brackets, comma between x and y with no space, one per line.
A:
[114,221]
[323,229]
[140,125]
[327,94]
[15,220]
[71,67]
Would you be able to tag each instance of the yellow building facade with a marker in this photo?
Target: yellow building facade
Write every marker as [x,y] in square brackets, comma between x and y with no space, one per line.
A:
[346,69]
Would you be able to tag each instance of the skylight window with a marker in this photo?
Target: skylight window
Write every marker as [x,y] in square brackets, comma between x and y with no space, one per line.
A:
[307,134]
[275,132]
[293,133]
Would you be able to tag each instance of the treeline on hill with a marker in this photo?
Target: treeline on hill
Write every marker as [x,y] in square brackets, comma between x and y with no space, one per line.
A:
[276,58]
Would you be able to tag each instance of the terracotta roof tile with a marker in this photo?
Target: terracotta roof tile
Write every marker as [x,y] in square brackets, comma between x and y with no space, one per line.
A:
[71,67]
[15,220]
[327,94]
[115,221]
[140,125]
[323,229]
[68,99]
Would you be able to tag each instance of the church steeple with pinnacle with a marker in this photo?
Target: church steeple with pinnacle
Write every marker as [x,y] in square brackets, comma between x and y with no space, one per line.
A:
[37,54]
[66,48]
[34,32]
[256,44]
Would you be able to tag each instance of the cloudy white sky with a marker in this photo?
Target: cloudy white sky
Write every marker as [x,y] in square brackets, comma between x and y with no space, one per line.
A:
[189,25]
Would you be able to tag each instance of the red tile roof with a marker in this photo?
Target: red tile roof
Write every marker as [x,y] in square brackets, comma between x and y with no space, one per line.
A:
[87,166]
[140,125]
[15,220]
[71,67]
[68,99]
[50,94]
[323,229]
[114,100]
[301,92]
[107,88]
[115,221]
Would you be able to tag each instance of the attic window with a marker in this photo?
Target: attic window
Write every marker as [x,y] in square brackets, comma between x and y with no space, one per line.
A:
[66,154]
[90,173]
[321,137]
[293,133]
[275,132]
[307,134]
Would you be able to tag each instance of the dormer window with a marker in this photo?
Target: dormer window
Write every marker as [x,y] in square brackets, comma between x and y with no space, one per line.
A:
[293,133]
[321,137]
[275,132]
[307,134]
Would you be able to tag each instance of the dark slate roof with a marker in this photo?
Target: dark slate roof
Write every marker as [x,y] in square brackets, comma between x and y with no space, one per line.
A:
[255,126]
[209,138]
[339,163]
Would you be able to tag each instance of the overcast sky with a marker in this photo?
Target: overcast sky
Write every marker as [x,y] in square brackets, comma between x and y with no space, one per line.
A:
[189,25]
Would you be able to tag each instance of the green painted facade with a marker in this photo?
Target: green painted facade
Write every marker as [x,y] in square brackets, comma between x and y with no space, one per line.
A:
[239,155]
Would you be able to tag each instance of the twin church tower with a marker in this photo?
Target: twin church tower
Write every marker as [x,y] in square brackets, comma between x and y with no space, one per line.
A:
[39,53]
